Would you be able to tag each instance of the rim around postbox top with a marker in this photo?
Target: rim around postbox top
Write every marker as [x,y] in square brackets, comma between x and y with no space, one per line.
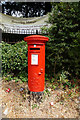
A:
[36,38]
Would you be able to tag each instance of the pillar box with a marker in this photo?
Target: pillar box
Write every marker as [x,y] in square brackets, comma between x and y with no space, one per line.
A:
[36,62]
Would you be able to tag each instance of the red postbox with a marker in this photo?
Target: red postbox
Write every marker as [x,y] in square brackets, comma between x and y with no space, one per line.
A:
[36,62]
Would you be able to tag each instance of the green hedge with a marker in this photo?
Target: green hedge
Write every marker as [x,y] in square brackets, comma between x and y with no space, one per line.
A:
[14,57]
[63,47]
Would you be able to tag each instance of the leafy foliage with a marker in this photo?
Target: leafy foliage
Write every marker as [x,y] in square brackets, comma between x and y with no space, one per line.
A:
[27,9]
[14,58]
[63,48]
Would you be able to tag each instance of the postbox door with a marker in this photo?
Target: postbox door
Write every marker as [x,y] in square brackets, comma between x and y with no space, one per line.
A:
[36,63]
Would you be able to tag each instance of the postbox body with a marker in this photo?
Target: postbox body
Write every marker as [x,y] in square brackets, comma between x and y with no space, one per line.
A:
[36,62]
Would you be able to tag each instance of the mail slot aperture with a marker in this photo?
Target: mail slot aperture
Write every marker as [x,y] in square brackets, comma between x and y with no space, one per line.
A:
[34,48]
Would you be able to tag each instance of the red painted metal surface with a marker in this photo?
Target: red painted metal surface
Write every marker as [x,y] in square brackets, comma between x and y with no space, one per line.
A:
[36,62]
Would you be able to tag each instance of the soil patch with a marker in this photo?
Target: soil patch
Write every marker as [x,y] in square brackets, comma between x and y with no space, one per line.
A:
[18,103]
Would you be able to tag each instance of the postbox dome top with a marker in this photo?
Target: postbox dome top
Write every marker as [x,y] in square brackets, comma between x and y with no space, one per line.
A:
[35,38]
